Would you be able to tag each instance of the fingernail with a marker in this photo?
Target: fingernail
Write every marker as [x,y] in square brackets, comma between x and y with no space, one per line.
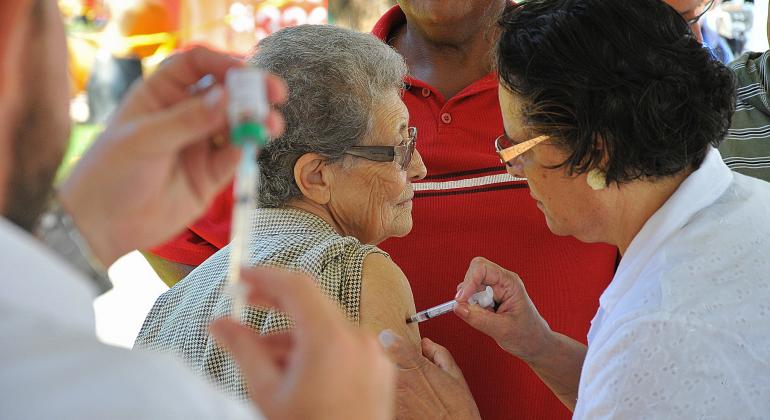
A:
[462,310]
[213,97]
[459,292]
[386,338]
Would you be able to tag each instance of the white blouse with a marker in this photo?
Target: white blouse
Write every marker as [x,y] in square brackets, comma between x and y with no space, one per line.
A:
[683,330]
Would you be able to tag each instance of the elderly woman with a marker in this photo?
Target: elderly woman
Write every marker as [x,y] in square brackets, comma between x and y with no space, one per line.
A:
[612,111]
[334,185]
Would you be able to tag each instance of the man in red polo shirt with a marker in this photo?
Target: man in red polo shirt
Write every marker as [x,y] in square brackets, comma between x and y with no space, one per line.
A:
[467,206]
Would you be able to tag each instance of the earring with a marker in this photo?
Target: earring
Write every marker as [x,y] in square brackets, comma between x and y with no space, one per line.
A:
[597,179]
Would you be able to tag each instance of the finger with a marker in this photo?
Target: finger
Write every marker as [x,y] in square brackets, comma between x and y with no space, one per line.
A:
[275,123]
[440,357]
[481,273]
[169,83]
[221,167]
[400,352]
[256,362]
[172,129]
[279,347]
[315,317]
[277,91]
[488,322]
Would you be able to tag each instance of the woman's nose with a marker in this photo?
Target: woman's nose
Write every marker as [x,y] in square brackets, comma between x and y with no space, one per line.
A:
[416,169]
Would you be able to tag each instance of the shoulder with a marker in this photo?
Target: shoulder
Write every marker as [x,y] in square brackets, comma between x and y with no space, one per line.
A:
[386,297]
[382,279]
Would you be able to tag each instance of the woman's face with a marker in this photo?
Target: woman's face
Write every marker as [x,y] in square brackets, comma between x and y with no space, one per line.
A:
[570,205]
[373,200]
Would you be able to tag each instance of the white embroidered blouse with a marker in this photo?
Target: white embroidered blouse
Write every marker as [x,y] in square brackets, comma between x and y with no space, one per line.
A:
[683,330]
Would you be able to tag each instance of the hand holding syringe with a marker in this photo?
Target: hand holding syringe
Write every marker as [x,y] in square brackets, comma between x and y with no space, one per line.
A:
[483,298]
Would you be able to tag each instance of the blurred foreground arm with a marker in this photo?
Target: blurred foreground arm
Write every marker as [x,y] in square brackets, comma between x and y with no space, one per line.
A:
[155,168]
[322,368]
[519,329]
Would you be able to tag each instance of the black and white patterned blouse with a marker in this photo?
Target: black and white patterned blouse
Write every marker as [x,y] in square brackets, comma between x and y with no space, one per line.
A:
[295,239]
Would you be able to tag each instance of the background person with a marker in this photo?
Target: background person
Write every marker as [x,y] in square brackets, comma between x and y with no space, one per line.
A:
[620,149]
[329,193]
[746,149]
[451,96]
[53,365]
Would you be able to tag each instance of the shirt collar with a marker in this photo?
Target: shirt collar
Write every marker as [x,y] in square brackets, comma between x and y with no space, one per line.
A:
[286,220]
[392,19]
[698,191]
[36,281]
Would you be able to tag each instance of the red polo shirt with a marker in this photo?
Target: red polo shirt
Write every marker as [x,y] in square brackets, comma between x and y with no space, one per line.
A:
[467,206]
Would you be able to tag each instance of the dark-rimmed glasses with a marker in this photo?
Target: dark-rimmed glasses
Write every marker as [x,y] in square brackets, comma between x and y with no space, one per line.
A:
[697,17]
[508,150]
[401,153]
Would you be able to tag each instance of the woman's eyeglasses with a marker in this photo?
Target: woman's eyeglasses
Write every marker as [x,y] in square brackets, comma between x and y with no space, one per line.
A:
[706,7]
[508,150]
[401,154]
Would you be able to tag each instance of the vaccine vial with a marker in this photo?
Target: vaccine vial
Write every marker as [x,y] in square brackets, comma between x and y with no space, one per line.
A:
[248,106]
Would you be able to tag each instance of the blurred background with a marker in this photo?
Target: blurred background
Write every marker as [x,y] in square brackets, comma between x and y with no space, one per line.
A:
[112,43]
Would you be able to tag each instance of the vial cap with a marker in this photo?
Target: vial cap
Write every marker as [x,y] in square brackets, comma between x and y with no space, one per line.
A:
[249,131]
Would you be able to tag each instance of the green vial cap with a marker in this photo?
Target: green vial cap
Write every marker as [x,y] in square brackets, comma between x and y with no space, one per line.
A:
[249,131]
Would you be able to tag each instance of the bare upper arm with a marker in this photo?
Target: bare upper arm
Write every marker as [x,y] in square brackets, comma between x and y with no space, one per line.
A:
[168,271]
[386,298]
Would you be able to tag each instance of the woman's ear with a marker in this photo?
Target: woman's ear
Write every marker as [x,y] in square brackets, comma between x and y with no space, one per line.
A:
[312,175]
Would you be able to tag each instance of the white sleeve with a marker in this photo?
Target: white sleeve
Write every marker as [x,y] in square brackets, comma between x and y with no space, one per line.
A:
[659,368]
[70,375]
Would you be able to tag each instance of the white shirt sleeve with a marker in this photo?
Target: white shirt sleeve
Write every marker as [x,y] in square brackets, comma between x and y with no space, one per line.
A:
[654,368]
[51,372]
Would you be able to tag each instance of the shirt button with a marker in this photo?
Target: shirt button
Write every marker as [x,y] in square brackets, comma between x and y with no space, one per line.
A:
[446,118]
[425,92]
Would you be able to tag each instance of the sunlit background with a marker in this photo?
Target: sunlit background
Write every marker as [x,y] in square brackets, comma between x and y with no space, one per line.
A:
[114,42]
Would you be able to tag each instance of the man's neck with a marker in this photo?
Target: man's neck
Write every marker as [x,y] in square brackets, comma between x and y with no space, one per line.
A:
[449,65]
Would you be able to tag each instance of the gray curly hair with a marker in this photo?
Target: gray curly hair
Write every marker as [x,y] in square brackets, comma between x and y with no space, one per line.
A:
[336,78]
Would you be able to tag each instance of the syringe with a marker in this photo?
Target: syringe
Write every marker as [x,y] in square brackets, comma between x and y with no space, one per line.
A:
[483,298]
[247,110]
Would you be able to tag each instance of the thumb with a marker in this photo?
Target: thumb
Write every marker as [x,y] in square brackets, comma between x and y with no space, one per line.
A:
[402,353]
[441,357]
[486,321]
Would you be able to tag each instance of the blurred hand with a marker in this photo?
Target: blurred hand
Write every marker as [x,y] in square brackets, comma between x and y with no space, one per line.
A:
[515,325]
[321,369]
[155,169]
[430,385]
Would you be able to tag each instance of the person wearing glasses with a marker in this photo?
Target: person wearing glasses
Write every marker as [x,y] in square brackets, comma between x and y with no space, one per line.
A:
[336,183]
[621,149]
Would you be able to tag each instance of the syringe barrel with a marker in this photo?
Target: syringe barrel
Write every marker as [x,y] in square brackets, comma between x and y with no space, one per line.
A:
[440,309]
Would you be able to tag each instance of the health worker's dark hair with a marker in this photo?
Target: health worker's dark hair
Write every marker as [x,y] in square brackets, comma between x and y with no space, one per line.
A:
[626,78]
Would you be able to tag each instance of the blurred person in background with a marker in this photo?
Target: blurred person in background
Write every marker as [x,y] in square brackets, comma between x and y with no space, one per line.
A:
[119,198]
[746,149]
[119,61]
[335,184]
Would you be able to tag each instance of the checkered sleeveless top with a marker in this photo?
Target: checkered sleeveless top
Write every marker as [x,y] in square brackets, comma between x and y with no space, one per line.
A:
[289,238]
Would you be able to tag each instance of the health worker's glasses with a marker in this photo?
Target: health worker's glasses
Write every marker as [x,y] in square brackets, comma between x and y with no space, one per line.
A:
[508,150]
